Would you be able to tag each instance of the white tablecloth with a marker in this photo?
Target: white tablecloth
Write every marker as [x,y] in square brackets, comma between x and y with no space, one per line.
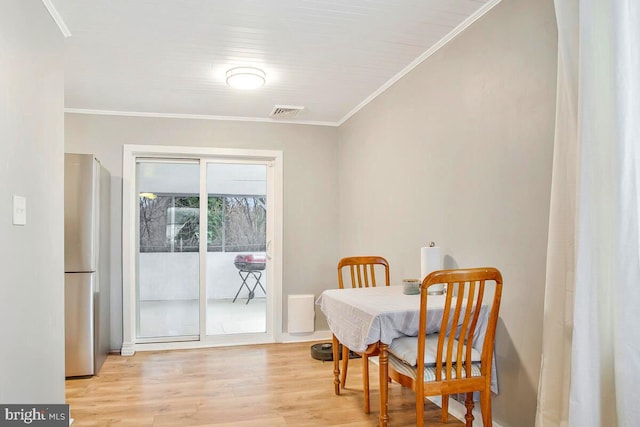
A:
[359,317]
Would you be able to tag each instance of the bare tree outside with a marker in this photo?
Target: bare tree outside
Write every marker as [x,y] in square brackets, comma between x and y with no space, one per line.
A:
[170,223]
[153,223]
[245,223]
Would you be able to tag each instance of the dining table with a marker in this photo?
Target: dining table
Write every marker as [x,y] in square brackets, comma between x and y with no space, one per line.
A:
[368,319]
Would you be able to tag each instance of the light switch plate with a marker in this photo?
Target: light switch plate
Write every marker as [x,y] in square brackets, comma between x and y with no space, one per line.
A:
[19,210]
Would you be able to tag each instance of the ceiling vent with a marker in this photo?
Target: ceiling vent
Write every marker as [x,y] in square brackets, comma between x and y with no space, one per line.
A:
[285,111]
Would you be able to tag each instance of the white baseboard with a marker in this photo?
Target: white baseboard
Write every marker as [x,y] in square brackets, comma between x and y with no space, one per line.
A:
[305,337]
[128,349]
[458,410]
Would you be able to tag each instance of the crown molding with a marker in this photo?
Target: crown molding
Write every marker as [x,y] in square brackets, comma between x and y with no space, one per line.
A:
[57,18]
[196,117]
[433,49]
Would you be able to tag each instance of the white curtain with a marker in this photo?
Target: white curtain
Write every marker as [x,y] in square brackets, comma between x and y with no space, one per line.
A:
[591,335]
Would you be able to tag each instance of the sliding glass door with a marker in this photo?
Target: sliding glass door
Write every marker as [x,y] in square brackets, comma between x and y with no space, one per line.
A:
[168,291]
[192,287]
[237,248]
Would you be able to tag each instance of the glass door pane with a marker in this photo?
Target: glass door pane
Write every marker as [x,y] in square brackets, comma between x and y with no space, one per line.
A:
[168,290]
[236,278]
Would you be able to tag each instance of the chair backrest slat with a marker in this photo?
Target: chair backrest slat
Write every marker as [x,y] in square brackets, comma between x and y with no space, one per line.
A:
[365,275]
[455,321]
[465,330]
[353,279]
[474,322]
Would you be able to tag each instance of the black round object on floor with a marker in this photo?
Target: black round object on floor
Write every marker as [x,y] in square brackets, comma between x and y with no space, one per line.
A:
[324,351]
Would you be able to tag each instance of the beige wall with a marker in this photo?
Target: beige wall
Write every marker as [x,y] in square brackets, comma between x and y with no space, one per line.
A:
[459,152]
[31,165]
[310,182]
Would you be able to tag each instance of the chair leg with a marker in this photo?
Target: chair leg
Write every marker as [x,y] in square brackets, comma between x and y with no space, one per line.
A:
[336,364]
[469,415]
[485,407]
[345,365]
[445,408]
[365,382]
[419,409]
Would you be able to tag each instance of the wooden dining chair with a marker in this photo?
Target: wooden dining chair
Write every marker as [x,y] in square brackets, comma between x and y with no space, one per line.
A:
[449,361]
[361,270]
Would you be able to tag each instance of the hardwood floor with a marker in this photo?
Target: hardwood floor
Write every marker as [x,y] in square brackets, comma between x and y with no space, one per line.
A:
[274,385]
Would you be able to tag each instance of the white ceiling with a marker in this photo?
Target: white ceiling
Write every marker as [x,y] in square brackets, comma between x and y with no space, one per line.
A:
[169,57]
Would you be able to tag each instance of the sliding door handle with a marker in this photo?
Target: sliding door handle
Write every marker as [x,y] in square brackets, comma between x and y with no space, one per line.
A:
[268,252]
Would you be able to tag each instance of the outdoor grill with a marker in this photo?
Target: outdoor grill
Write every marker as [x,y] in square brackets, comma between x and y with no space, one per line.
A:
[250,262]
[250,265]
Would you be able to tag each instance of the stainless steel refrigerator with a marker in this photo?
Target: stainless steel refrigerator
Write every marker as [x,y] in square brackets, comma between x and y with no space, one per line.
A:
[86,256]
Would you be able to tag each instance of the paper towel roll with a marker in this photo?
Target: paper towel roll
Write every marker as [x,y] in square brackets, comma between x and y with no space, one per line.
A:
[430,260]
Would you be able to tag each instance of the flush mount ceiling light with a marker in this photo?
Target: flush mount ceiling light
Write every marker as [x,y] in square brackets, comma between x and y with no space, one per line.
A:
[245,78]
